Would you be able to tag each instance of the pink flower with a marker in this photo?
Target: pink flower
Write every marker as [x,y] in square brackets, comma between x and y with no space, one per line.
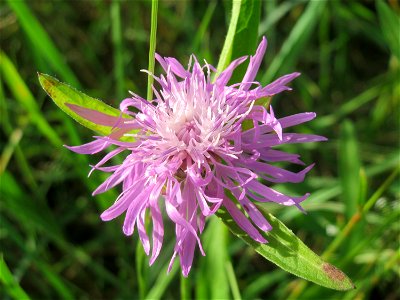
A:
[187,147]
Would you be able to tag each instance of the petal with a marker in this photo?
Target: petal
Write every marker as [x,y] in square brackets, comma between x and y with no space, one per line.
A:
[178,219]
[277,86]
[134,210]
[158,230]
[116,178]
[142,231]
[268,140]
[266,194]
[274,174]
[224,77]
[242,221]
[177,68]
[106,158]
[97,117]
[122,203]
[254,64]
[162,62]
[90,148]
[297,119]
[272,155]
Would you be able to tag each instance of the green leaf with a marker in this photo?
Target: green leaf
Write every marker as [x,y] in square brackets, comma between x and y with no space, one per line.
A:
[390,25]
[246,36]
[152,49]
[24,96]
[242,35]
[11,286]
[349,171]
[63,94]
[287,251]
[41,40]
[295,45]
[349,168]
[212,281]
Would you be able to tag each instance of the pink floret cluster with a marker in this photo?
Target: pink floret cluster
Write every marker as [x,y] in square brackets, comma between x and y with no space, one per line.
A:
[186,148]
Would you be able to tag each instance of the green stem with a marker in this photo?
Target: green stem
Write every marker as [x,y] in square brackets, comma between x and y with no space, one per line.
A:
[232,280]
[141,280]
[226,52]
[185,288]
[117,43]
[152,50]
[11,286]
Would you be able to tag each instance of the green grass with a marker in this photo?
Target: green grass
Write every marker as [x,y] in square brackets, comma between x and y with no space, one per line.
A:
[53,243]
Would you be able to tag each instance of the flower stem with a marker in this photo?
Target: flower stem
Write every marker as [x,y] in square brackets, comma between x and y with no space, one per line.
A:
[140,273]
[232,280]
[152,50]
[117,47]
[185,288]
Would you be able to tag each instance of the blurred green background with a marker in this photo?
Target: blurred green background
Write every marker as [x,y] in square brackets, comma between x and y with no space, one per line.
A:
[53,243]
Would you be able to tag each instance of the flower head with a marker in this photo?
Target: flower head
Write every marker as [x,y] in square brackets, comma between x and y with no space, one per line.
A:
[187,147]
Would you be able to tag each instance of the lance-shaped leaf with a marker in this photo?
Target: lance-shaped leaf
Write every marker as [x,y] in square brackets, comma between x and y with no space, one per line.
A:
[242,35]
[82,108]
[287,251]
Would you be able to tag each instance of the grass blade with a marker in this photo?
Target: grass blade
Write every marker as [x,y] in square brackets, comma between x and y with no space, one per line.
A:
[294,45]
[349,168]
[24,96]
[390,25]
[10,284]
[203,26]
[152,50]
[118,48]
[163,281]
[233,281]
[40,39]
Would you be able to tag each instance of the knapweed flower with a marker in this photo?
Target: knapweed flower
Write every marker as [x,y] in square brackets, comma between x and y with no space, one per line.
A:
[187,148]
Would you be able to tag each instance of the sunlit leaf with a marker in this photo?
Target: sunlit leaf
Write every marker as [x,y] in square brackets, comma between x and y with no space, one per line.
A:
[242,35]
[64,95]
[287,251]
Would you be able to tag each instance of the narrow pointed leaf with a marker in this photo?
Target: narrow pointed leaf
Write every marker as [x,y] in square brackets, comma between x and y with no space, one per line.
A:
[241,38]
[11,286]
[63,94]
[390,26]
[287,251]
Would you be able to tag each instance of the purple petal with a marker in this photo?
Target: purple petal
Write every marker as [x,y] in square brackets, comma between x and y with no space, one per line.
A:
[158,230]
[122,203]
[224,77]
[254,64]
[255,215]
[134,210]
[90,148]
[275,174]
[176,67]
[242,221]
[95,116]
[178,219]
[142,231]
[297,119]
[278,85]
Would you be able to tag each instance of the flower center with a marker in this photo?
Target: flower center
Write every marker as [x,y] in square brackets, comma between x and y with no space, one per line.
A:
[189,131]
